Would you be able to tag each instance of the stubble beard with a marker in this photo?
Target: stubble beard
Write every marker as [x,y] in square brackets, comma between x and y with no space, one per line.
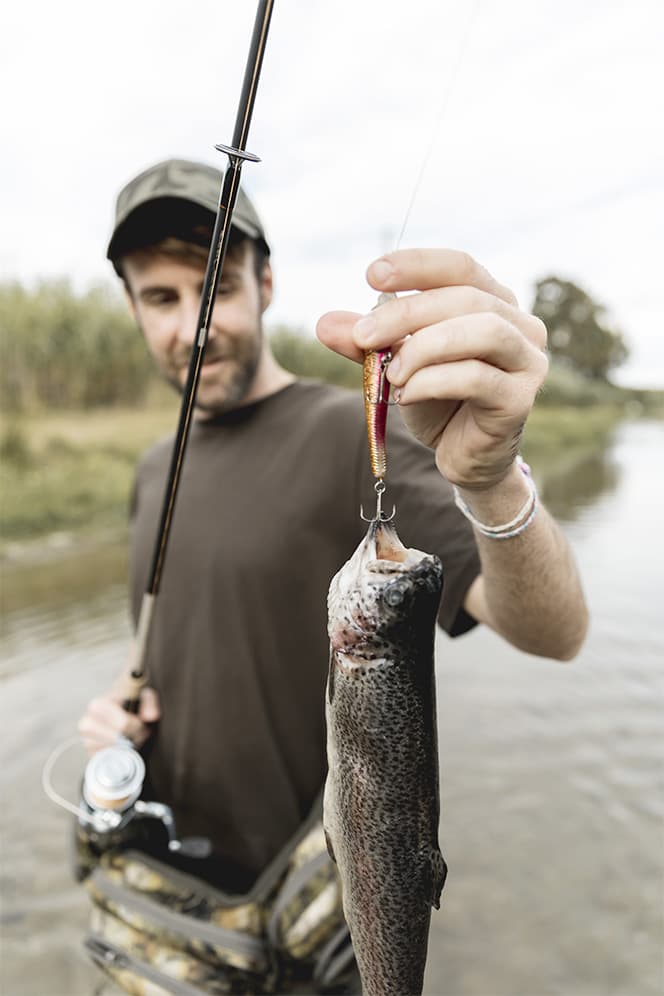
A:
[241,376]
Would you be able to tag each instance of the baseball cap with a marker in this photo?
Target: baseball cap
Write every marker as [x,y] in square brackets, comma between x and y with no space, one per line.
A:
[157,202]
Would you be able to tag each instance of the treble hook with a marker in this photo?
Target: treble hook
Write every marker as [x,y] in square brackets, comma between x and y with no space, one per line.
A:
[379,488]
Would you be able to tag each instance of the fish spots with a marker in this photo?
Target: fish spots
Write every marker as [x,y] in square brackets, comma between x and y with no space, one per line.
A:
[356,666]
[381,799]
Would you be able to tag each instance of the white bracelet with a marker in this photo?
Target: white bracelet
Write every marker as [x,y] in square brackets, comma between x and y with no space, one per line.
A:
[515,526]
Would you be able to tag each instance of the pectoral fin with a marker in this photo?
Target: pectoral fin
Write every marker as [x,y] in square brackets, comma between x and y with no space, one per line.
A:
[438,876]
[330,849]
[330,677]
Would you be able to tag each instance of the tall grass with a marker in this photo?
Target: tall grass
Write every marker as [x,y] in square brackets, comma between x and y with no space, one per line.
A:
[76,377]
[64,350]
[63,471]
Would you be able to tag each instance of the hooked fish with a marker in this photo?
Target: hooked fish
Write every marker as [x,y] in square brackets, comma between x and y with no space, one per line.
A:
[381,804]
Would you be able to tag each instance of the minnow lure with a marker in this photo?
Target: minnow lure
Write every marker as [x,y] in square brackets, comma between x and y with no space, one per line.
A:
[376,402]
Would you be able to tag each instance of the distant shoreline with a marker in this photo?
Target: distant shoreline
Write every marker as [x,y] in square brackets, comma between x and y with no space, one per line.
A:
[67,476]
[43,548]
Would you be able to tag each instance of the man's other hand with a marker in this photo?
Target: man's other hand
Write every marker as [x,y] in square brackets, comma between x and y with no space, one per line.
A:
[105,720]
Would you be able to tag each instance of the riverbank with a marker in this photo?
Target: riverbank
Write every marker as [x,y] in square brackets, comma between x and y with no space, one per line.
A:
[67,476]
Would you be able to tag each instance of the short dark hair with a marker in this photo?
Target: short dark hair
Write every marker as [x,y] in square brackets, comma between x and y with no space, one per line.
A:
[190,243]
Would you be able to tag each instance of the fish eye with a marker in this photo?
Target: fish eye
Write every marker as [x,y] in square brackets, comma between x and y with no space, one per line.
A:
[395,593]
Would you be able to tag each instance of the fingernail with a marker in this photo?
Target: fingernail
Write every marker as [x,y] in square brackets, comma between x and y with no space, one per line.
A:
[364,330]
[393,369]
[397,395]
[382,271]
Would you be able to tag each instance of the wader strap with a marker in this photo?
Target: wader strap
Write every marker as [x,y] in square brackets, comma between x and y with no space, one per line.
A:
[296,882]
[335,957]
[107,957]
[187,926]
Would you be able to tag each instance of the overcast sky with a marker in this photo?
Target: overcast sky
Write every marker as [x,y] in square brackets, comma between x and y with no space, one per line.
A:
[548,156]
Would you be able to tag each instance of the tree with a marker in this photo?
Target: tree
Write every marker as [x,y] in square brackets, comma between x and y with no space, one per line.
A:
[579,332]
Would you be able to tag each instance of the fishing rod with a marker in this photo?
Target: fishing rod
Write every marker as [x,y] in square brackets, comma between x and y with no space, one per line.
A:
[237,154]
[113,778]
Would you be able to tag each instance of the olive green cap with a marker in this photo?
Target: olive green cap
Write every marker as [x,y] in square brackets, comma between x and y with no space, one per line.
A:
[157,202]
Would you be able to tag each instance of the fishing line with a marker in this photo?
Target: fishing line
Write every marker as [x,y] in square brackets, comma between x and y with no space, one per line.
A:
[438,118]
[376,362]
[47,781]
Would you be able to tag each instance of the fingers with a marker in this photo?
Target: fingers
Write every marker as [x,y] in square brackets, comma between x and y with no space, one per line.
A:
[486,337]
[105,720]
[149,710]
[426,269]
[487,386]
[435,272]
[466,361]
[405,316]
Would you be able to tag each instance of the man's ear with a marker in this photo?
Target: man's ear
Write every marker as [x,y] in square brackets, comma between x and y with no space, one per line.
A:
[265,287]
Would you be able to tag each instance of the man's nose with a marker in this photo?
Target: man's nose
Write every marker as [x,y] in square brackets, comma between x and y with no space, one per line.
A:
[218,319]
[188,319]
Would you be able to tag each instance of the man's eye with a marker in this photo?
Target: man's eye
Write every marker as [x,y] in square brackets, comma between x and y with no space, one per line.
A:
[160,300]
[224,289]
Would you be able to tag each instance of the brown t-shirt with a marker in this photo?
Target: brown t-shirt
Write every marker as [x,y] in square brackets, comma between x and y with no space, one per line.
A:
[267,512]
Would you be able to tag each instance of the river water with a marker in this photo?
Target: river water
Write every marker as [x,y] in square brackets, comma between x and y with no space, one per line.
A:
[552,774]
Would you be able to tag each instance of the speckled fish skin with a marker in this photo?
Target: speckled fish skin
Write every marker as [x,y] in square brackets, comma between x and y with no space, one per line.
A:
[381,804]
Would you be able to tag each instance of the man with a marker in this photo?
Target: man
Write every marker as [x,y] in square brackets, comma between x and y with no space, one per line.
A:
[274,475]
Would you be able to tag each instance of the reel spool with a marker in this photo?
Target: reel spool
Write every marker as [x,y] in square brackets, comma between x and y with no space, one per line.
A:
[112,784]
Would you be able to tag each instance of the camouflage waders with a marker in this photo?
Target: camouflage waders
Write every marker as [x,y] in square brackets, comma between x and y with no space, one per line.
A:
[157,930]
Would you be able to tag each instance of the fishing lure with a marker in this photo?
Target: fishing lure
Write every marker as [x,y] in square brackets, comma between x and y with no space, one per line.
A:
[376,402]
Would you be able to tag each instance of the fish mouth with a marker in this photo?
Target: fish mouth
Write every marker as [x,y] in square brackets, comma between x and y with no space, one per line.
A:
[384,553]
[371,591]
[386,545]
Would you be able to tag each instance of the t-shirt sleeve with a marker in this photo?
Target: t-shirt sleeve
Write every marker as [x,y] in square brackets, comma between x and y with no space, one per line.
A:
[427,519]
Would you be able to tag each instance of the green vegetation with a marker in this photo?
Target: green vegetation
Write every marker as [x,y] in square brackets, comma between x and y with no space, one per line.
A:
[550,431]
[80,402]
[579,333]
[66,471]
[566,386]
[61,350]
[307,357]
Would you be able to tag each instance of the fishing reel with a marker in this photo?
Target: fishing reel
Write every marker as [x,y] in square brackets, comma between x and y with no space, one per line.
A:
[110,805]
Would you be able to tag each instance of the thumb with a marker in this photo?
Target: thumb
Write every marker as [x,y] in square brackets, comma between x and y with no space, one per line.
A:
[149,710]
[335,330]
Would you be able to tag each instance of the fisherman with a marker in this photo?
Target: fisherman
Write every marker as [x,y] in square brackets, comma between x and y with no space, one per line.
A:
[231,723]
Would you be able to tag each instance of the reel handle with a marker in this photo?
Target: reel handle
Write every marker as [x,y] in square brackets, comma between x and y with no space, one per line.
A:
[131,692]
[136,678]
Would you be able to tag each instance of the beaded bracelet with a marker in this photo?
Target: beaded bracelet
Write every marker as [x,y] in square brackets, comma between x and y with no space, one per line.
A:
[515,526]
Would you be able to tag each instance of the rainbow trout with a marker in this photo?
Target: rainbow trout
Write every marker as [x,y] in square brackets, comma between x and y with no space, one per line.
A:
[381,797]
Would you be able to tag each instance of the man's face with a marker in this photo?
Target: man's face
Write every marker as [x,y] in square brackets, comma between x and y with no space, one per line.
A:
[165,295]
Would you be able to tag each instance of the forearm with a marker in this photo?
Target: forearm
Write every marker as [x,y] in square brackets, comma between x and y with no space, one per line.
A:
[530,591]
